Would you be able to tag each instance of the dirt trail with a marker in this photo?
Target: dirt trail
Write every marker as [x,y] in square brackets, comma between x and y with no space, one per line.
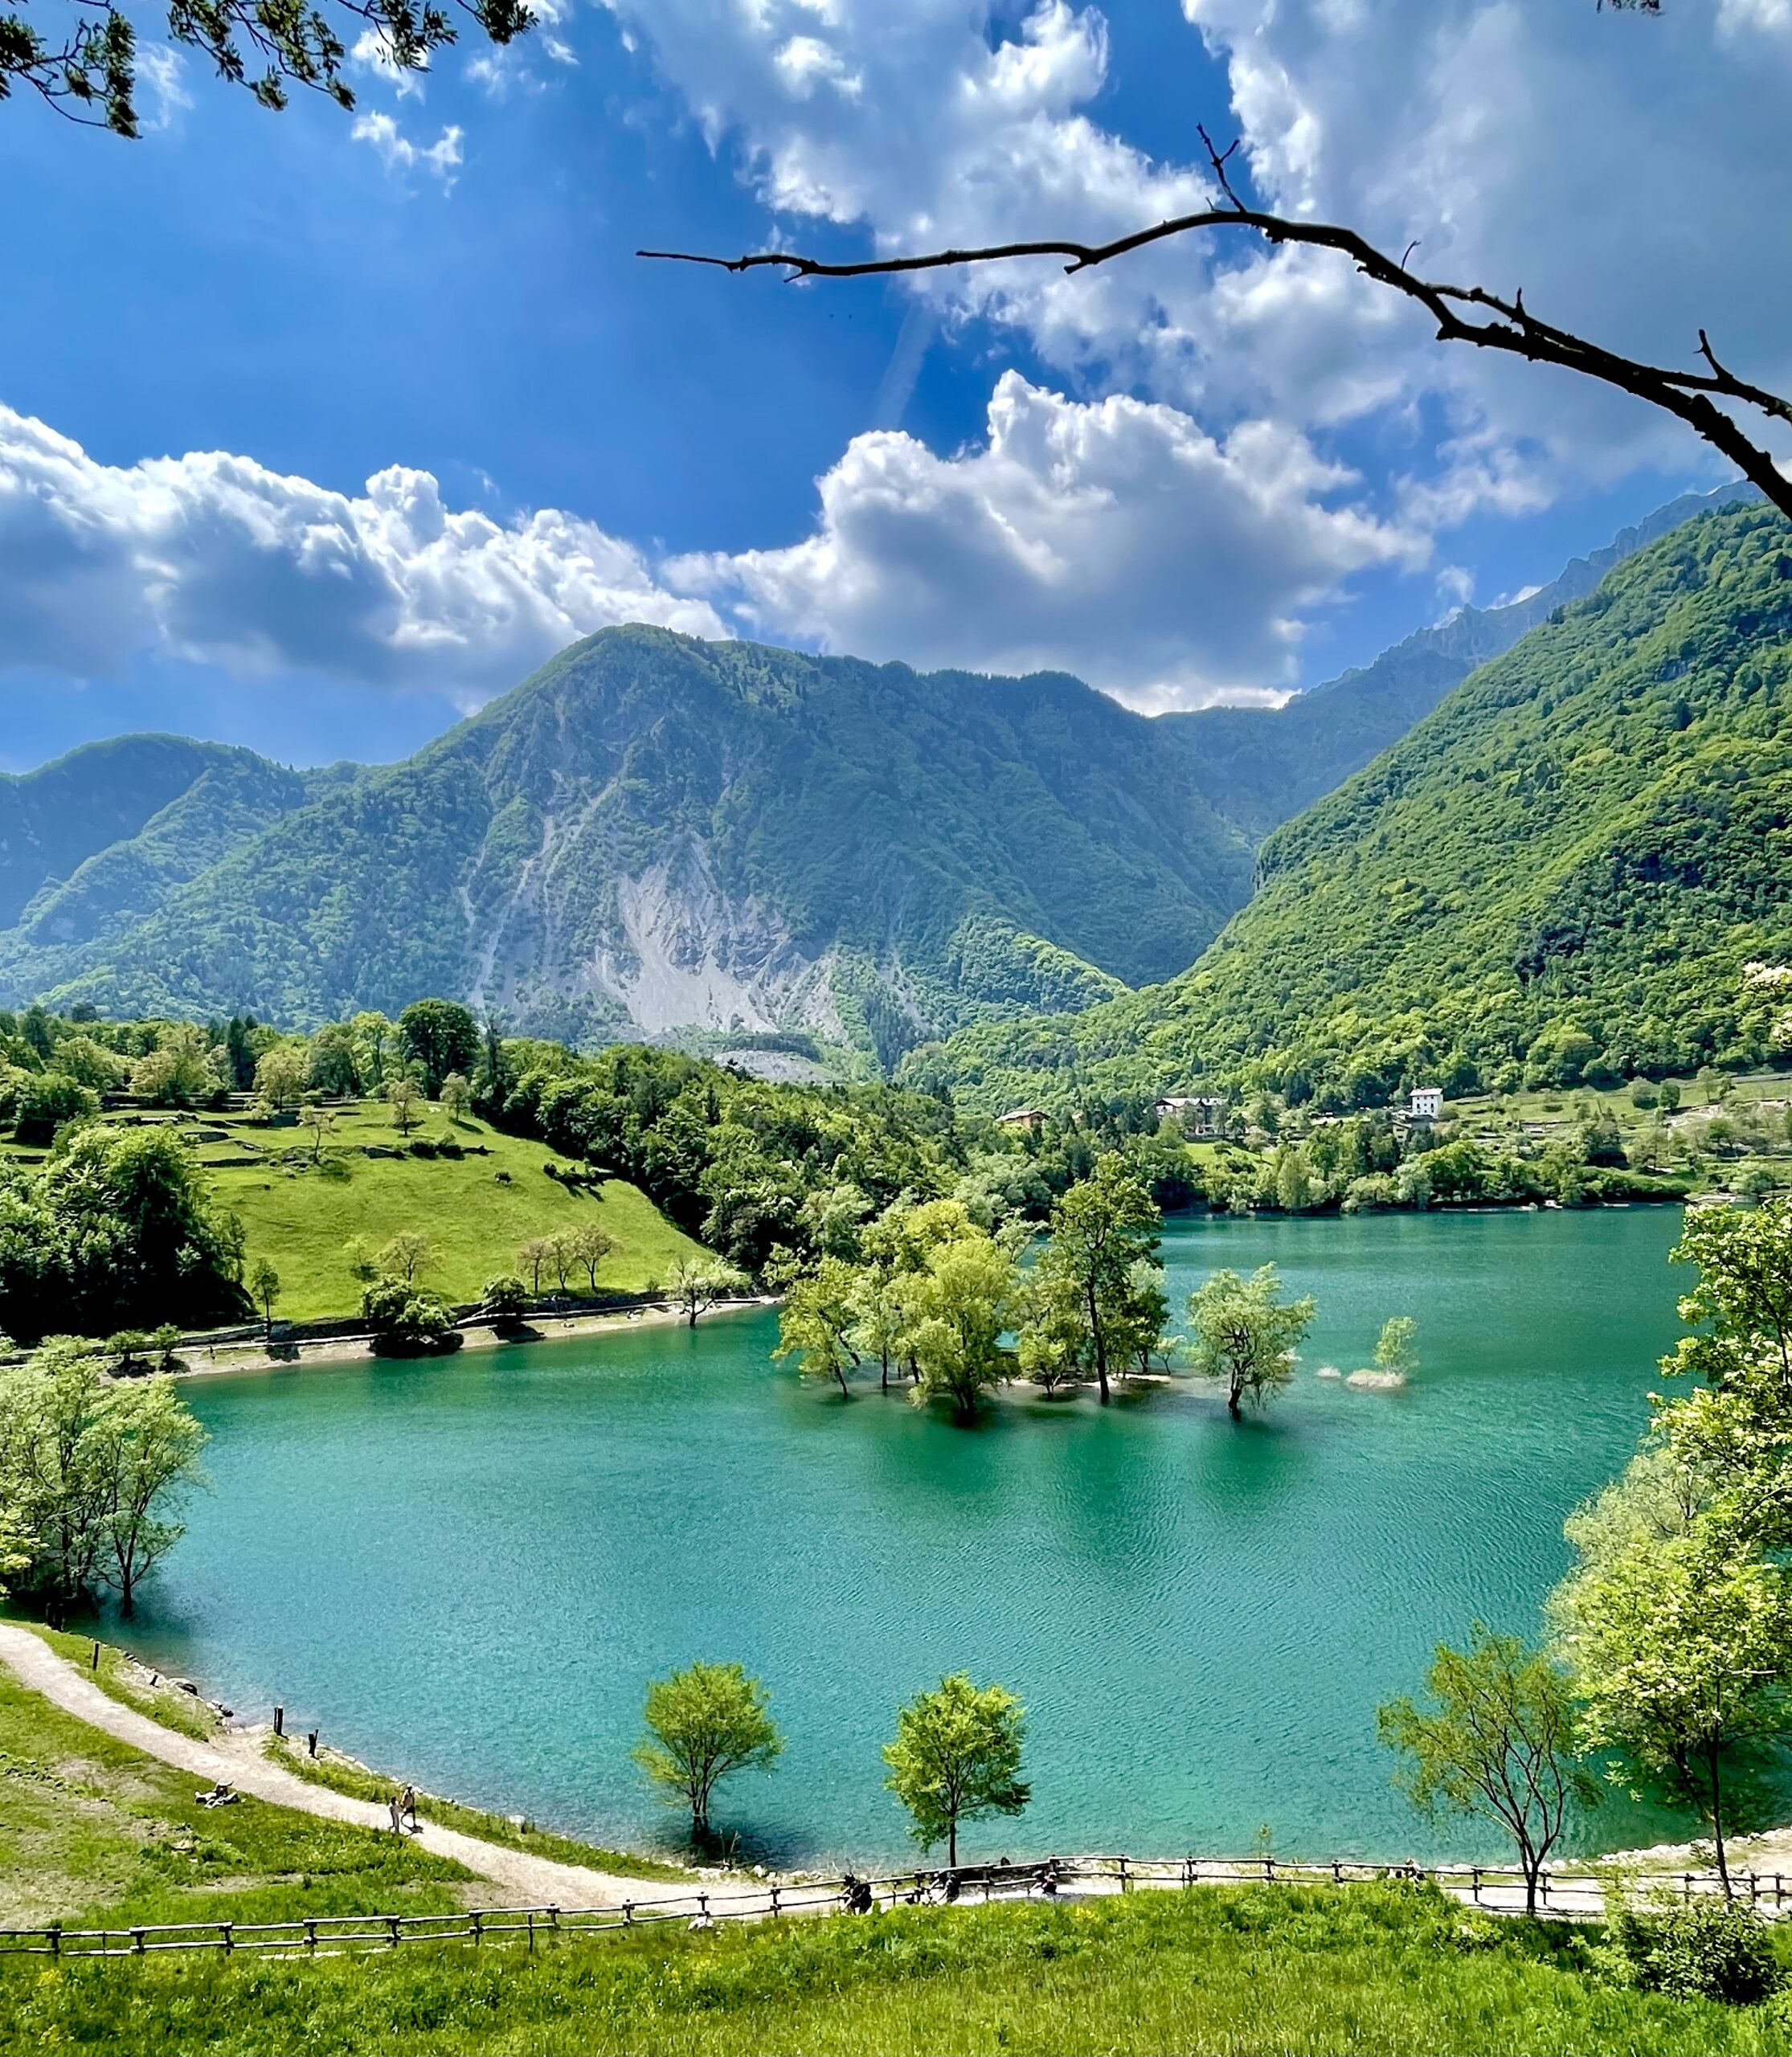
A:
[235,1758]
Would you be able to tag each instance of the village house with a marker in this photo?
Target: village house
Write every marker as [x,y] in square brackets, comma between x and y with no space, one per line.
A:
[1199,1113]
[1427,1103]
[1031,1120]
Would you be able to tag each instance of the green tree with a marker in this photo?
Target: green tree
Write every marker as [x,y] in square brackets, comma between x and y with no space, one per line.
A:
[957,1758]
[91,1468]
[1739,1311]
[405,1255]
[504,1301]
[281,1076]
[153,1457]
[46,1100]
[698,1284]
[592,1247]
[534,1258]
[406,1321]
[959,1306]
[1396,1346]
[264,1290]
[89,70]
[705,1724]
[1051,1346]
[440,1037]
[815,1323]
[1498,1740]
[1247,1335]
[1681,1650]
[320,1121]
[182,1069]
[1100,1230]
[456,1095]
[405,1097]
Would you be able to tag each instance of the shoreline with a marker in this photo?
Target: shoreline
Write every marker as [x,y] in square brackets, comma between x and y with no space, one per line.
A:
[303,1356]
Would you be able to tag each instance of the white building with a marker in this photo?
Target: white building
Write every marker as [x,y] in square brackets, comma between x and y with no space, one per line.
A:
[1200,1114]
[1427,1103]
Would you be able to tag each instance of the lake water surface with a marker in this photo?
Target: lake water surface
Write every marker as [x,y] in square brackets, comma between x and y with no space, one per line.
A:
[467,1571]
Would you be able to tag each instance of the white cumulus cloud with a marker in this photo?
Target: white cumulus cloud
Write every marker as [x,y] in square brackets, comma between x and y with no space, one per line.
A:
[215,558]
[1113,538]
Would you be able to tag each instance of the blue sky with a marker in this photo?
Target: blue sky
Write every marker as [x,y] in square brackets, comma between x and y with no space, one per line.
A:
[1222,474]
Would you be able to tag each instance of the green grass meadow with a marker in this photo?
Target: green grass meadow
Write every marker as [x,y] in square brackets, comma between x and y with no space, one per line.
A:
[477,1208]
[1356,1969]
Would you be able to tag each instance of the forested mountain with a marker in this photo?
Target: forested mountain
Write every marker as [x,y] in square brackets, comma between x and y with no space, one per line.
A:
[1261,765]
[653,831]
[1564,871]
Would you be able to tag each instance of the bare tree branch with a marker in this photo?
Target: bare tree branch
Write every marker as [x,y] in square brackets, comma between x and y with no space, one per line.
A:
[1463,314]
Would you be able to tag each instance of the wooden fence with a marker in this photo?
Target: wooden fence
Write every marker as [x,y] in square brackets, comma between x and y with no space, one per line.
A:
[1573,1895]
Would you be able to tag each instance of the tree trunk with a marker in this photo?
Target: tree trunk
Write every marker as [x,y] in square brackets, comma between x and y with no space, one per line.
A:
[952,1844]
[1717,1819]
[1100,1342]
[1235,1392]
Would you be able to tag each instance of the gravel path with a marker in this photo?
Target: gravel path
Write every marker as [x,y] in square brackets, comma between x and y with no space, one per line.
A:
[235,1758]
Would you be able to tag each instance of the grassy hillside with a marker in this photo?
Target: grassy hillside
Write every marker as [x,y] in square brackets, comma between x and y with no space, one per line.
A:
[1362,1969]
[476,1208]
[1561,872]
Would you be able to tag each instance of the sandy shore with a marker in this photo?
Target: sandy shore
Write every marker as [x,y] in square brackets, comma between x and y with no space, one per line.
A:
[355,1350]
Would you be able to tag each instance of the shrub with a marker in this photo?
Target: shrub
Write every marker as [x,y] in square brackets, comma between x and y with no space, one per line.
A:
[406,1321]
[506,1300]
[1708,1949]
[421,1147]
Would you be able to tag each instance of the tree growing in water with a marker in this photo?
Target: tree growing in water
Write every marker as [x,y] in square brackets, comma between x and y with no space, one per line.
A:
[698,1284]
[816,1323]
[1681,1649]
[705,1724]
[957,1758]
[1246,1334]
[1102,1231]
[1498,1740]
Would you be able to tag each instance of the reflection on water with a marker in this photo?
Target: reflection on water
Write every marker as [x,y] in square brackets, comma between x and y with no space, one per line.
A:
[467,1571]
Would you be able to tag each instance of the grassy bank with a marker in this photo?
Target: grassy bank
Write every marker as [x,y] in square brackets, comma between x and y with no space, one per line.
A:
[92,1833]
[121,1678]
[476,1206]
[1359,1969]
[341,1774]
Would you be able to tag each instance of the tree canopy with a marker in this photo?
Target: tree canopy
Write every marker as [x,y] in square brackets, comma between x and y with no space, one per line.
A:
[89,72]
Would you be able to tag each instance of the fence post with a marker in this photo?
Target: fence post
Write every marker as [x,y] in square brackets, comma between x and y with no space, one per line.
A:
[1337,1872]
[628,1913]
[1543,1875]
[776,1908]
[1125,1883]
[392,1926]
[1686,1884]
[280,1721]
[311,1743]
[96,1657]
[311,1936]
[137,1935]
[1474,1890]
[1269,1870]
[230,1941]
[478,1921]
[1754,1888]
[532,1931]
[55,1933]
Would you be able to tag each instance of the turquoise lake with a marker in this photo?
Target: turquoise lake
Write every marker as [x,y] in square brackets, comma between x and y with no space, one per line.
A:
[467,1571]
